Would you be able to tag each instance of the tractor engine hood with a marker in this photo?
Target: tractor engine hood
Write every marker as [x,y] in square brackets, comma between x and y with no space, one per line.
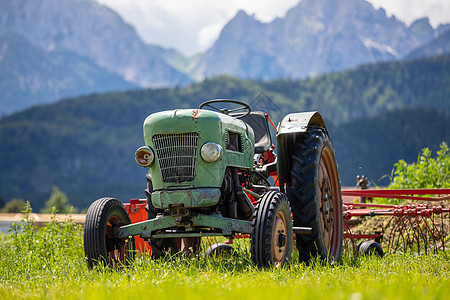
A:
[177,137]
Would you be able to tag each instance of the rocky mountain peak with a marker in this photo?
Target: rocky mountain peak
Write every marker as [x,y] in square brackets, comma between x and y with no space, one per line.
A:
[92,30]
[314,37]
[422,30]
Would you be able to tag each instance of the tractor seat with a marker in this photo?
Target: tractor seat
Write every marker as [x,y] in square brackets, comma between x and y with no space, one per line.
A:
[258,122]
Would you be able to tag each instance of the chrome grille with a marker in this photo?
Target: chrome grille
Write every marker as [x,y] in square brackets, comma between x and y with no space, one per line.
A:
[177,155]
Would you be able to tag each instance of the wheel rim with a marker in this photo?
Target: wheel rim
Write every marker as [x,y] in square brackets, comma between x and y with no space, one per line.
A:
[117,252]
[329,201]
[279,239]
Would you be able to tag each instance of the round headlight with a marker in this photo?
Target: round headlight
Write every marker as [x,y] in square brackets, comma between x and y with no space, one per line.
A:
[211,152]
[144,156]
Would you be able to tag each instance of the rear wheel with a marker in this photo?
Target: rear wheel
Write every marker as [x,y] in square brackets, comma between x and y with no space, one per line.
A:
[271,239]
[100,245]
[315,196]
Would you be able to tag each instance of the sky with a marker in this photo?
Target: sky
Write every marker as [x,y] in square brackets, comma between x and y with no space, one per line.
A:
[192,26]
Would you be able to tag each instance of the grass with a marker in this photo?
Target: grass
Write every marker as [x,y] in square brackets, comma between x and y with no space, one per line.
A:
[49,264]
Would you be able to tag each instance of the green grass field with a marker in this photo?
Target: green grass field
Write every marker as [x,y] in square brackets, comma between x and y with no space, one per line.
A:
[49,264]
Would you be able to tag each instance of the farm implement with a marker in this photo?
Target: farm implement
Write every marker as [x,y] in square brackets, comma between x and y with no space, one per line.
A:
[213,172]
[421,224]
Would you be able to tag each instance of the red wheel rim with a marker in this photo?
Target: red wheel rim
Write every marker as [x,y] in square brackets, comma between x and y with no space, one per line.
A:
[118,256]
[329,202]
[279,239]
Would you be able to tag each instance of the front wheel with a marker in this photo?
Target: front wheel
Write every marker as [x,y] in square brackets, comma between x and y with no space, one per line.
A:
[272,235]
[100,245]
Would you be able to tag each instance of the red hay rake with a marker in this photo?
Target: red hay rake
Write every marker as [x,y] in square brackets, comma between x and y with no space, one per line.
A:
[422,224]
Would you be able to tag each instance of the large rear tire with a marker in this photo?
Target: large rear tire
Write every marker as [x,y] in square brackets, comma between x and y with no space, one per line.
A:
[272,235]
[315,196]
[100,246]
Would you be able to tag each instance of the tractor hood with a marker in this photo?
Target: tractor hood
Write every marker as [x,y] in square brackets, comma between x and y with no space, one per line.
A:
[176,138]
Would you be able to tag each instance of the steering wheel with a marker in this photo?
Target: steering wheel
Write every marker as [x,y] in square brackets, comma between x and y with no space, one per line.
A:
[241,106]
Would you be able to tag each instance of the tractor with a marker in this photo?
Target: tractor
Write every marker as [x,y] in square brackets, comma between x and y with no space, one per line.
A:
[214,171]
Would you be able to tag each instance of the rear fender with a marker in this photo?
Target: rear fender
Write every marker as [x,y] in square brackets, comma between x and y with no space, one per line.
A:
[290,128]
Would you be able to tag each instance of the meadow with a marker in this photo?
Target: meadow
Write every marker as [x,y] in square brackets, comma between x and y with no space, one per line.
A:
[49,263]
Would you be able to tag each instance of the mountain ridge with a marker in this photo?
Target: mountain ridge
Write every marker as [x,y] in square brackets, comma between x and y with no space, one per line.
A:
[314,37]
[91,30]
[31,76]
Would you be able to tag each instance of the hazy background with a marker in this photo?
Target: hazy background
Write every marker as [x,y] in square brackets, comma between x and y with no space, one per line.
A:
[193,26]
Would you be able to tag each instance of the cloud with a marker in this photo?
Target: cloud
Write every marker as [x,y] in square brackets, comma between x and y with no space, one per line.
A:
[208,34]
[190,26]
[438,11]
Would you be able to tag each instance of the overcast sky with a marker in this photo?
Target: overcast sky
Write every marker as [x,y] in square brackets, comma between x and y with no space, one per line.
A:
[191,26]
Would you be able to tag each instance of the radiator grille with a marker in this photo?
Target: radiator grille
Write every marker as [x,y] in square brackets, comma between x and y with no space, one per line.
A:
[177,155]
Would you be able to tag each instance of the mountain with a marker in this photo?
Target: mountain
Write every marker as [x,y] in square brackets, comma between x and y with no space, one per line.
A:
[92,30]
[374,113]
[315,37]
[70,48]
[438,46]
[32,76]
[176,59]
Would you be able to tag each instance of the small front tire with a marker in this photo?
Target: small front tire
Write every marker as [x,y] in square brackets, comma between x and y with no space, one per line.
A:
[272,235]
[100,245]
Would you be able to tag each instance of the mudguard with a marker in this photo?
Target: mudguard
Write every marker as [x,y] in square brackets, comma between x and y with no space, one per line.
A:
[289,129]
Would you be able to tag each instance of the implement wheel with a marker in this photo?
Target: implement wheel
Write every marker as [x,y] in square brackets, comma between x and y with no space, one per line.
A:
[271,238]
[100,246]
[370,248]
[219,248]
[315,196]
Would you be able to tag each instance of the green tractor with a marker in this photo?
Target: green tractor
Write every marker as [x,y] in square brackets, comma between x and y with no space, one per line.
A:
[213,171]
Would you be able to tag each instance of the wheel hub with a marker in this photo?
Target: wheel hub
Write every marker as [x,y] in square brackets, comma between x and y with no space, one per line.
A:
[279,241]
[327,203]
[116,248]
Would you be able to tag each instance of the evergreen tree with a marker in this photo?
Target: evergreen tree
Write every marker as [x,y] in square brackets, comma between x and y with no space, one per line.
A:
[58,202]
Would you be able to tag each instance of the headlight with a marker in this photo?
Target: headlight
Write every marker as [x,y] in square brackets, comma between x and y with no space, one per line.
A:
[144,156]
[211,152]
